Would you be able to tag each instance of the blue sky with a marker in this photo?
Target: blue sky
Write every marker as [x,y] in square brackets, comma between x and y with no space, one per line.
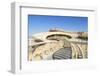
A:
[41,23]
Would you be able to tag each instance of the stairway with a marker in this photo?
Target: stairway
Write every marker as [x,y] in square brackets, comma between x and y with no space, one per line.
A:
[63,53]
